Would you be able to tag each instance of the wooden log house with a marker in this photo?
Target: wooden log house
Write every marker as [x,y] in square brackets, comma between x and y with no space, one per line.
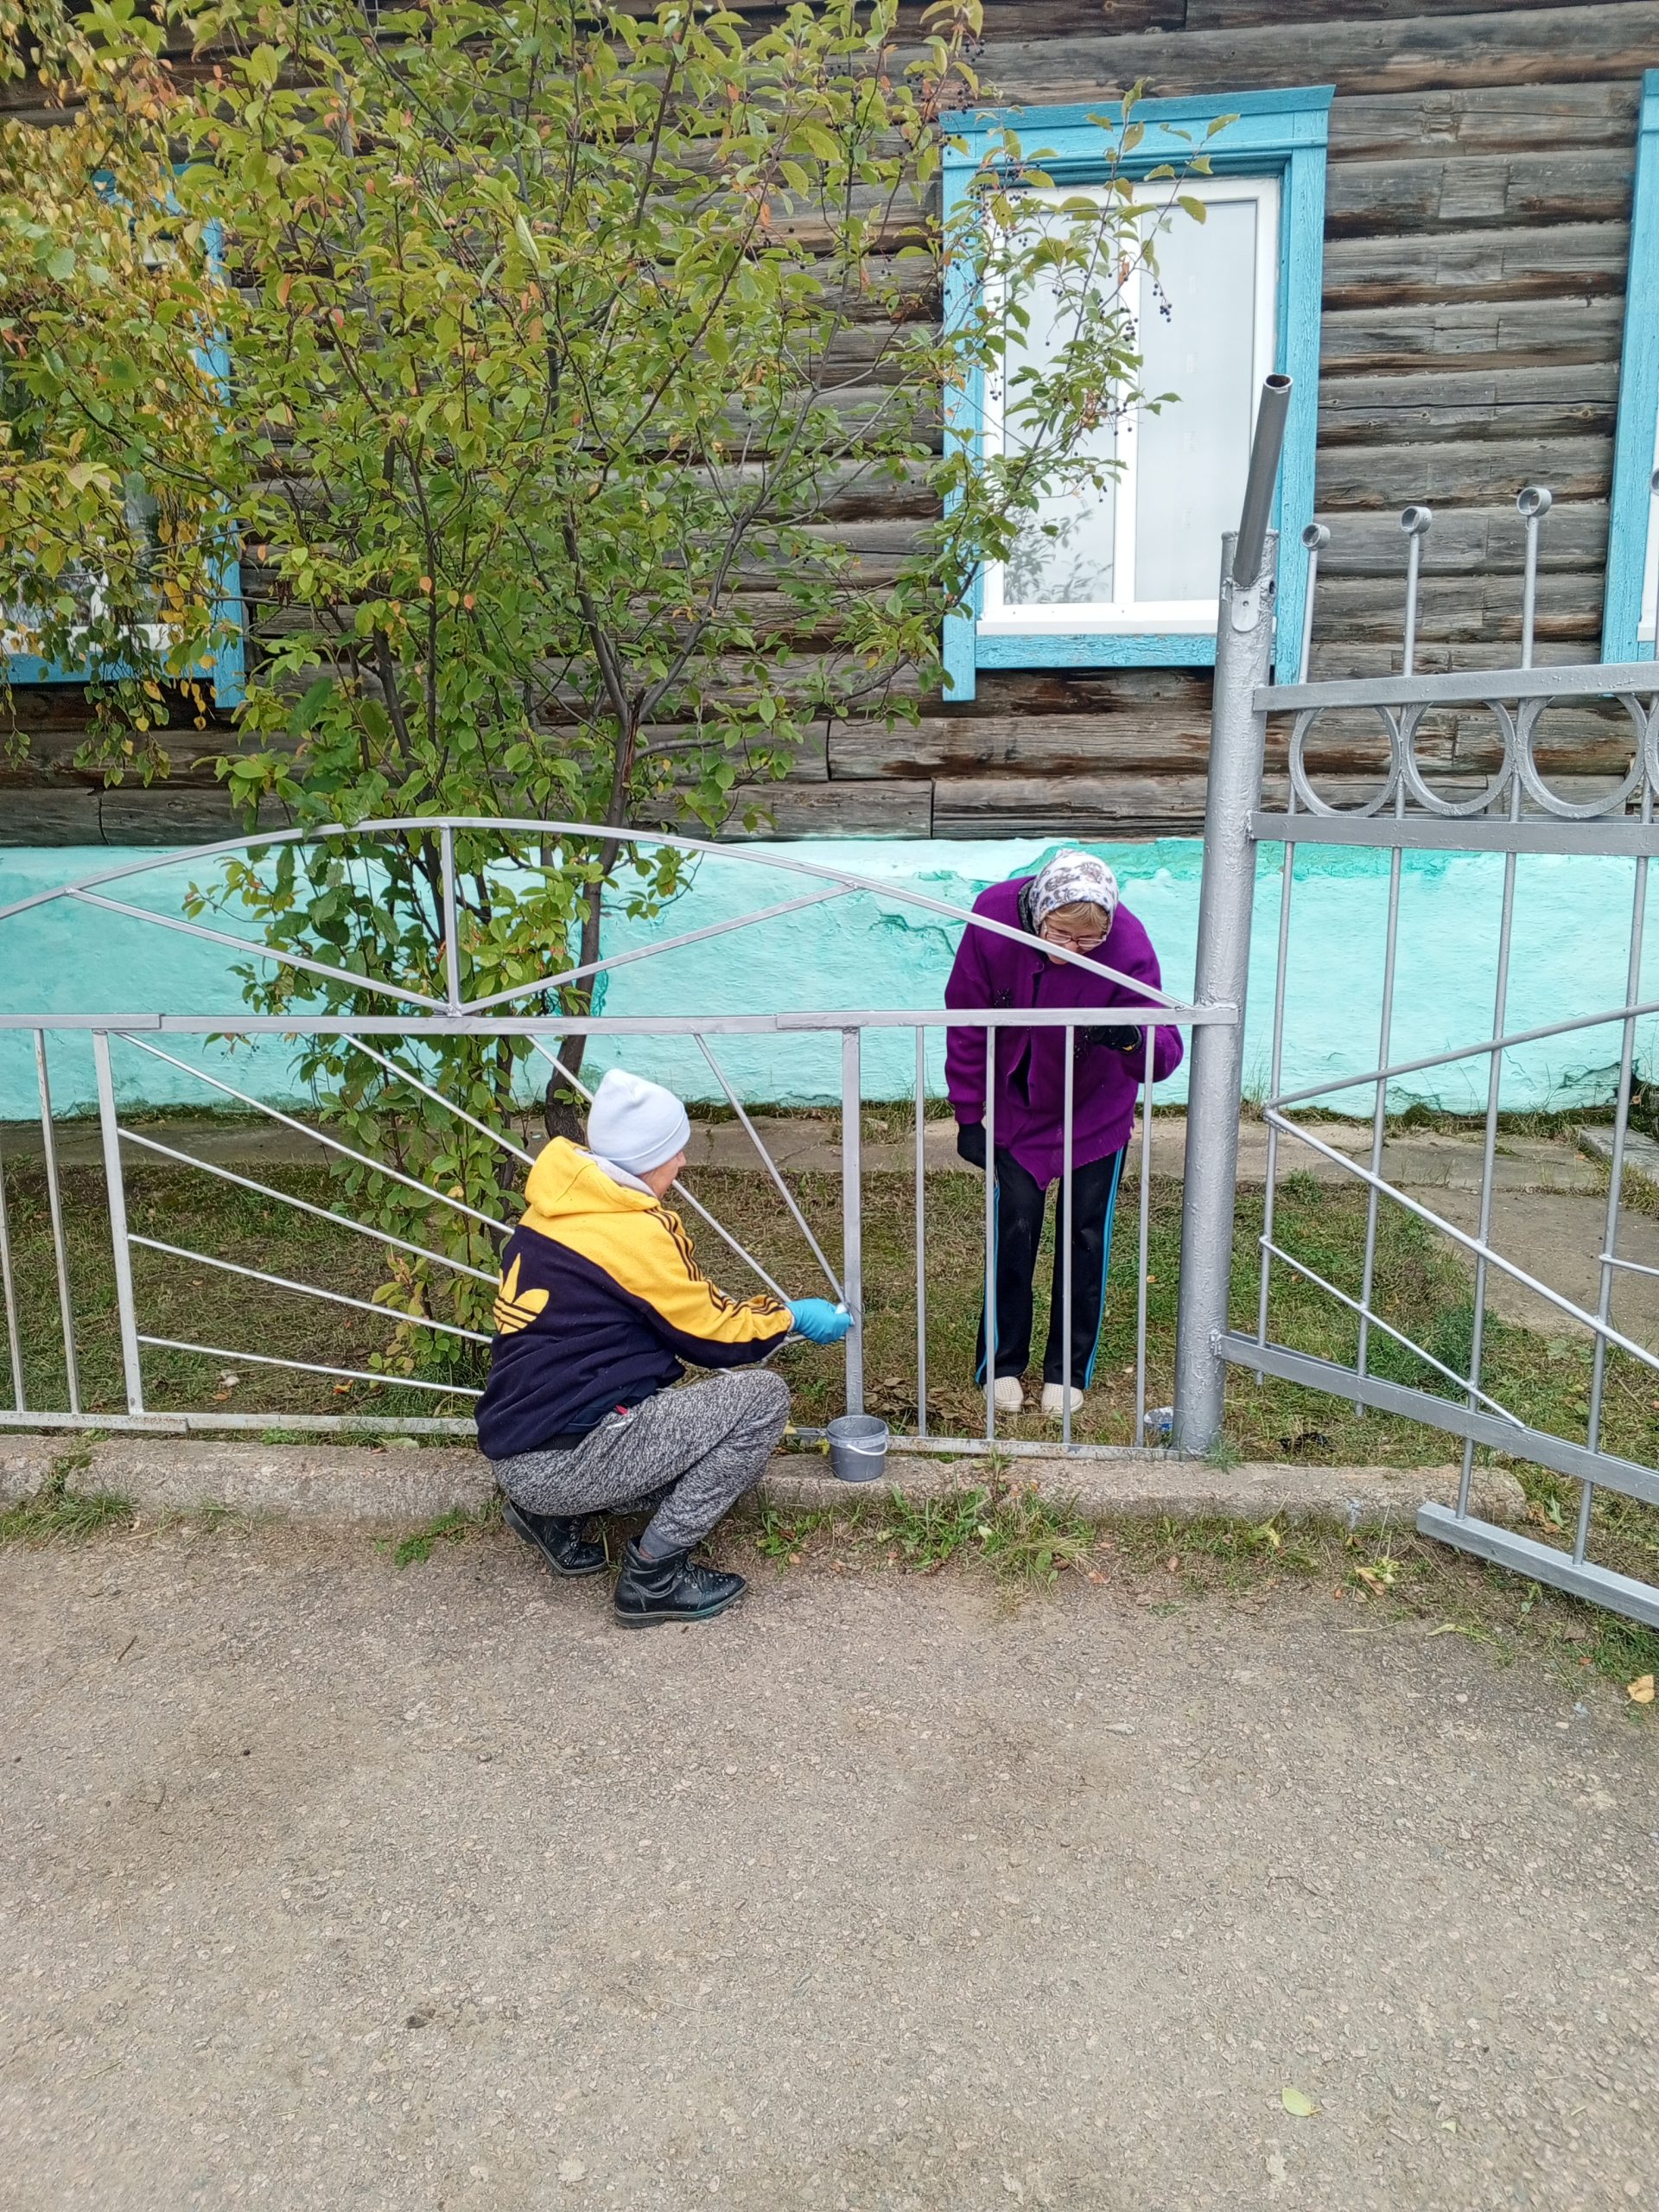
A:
[1482,313]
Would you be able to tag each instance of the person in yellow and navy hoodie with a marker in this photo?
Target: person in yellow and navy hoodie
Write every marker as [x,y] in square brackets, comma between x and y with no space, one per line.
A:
[600,1301]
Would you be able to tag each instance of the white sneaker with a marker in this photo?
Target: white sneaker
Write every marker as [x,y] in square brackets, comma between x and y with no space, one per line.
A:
[1008,1394]
[1054,1399]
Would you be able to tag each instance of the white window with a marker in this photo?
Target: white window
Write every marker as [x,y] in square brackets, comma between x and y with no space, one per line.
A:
[143,515]
[1142,555]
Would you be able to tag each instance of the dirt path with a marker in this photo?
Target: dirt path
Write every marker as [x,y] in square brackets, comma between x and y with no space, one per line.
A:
[322,1886]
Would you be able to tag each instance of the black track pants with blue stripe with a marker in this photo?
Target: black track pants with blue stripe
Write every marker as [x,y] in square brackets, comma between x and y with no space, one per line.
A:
[1020,1203]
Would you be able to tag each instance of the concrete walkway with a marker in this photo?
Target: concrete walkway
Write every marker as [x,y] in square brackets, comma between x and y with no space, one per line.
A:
[406,1484]
[324,1887]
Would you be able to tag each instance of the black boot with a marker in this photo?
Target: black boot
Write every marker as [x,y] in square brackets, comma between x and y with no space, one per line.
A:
[678,1588]
[560,1541]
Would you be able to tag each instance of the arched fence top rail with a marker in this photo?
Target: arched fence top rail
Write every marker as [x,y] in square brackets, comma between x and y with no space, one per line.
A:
[832,882]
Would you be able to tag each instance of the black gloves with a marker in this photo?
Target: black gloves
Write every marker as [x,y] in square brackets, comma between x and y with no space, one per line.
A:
[970,1142]
[1115,1040]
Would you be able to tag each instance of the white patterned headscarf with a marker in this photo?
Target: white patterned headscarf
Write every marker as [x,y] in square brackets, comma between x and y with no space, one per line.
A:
[1070,879]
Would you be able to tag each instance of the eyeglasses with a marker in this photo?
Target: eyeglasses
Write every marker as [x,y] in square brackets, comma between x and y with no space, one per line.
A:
[1065,937]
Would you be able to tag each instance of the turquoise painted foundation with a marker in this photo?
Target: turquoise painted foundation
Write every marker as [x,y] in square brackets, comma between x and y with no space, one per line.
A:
[866,951]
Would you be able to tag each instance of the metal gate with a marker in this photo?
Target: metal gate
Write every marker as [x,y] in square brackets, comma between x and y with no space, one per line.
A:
[1507,806]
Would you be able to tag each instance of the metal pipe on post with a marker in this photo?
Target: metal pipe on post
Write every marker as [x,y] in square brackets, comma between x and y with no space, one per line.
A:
[1261,481]
[1238,749]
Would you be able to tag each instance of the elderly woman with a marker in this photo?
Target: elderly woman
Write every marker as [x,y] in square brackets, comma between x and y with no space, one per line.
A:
[1072,903]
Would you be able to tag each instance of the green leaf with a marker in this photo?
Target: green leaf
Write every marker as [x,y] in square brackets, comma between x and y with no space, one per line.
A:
[1298,2103]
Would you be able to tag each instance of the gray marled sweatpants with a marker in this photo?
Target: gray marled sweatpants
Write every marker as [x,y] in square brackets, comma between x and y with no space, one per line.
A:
[691,1453]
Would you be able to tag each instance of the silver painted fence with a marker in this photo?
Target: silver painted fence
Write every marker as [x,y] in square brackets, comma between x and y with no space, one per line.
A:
[1512,809]
[125,1044]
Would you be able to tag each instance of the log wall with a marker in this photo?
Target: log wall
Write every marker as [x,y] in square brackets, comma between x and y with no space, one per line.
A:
[1478,200]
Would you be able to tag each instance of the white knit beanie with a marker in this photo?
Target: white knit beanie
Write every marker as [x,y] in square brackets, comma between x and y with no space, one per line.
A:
[636,1123]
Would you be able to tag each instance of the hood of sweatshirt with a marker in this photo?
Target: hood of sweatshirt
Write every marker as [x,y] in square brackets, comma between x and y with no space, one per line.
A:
[567,1184]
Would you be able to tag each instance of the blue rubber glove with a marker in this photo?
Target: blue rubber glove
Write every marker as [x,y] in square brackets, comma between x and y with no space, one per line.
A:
[820,1322]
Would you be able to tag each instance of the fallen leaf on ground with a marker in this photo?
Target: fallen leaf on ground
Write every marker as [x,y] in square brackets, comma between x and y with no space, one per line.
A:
[1298,2103]
[1640,1692]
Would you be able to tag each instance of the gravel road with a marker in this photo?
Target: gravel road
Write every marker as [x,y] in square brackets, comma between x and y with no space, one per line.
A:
[323,1886]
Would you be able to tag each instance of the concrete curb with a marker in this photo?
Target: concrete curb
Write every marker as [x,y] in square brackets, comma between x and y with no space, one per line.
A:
[402,1487]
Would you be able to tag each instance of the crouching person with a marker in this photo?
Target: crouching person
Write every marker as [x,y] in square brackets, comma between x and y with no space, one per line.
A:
[600,1299]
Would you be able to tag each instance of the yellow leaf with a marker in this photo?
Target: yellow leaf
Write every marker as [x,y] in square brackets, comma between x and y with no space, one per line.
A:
[1640,1692]
[1298,2103]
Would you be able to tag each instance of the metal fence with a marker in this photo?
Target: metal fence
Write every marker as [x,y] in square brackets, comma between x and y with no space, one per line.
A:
[1507,807]
[127,1046]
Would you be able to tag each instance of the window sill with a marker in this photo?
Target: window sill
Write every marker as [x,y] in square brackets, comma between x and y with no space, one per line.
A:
[1095,649]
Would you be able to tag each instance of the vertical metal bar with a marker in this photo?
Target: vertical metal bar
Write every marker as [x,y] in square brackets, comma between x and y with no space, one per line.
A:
[451,940]
[54,1205]
[921,1232]
[1615,1187]
[1488,1157]
[990,1234]
[1276,1076]
[1380,1106]
[1149,1035]
[14,1341]
[1316,538]
[852,1210]
[115,1197]
[1066,1229]
[1534,503]
[1416,522]
[1238,745]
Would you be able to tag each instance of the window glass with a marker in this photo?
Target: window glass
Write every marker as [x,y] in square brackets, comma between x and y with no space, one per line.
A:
[1063,556]
[1198,339]
[1141,553]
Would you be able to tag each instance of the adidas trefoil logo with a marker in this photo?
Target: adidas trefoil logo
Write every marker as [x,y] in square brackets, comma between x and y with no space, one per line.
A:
[516,1309]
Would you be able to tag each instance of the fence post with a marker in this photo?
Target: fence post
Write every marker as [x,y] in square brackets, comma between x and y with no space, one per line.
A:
[1237,745]
[115,1195]
[852,1209]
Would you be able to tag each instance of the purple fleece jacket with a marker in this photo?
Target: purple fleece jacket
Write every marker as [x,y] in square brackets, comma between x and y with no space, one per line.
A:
[994,971]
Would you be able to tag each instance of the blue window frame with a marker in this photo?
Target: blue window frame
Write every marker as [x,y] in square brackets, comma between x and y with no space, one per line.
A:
[230,662]
[1267,173]
[1633,523]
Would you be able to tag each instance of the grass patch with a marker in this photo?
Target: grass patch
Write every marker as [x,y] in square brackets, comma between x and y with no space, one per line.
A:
[1022,1539]
[57,1513]
[453,1527]
[1370,1579]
